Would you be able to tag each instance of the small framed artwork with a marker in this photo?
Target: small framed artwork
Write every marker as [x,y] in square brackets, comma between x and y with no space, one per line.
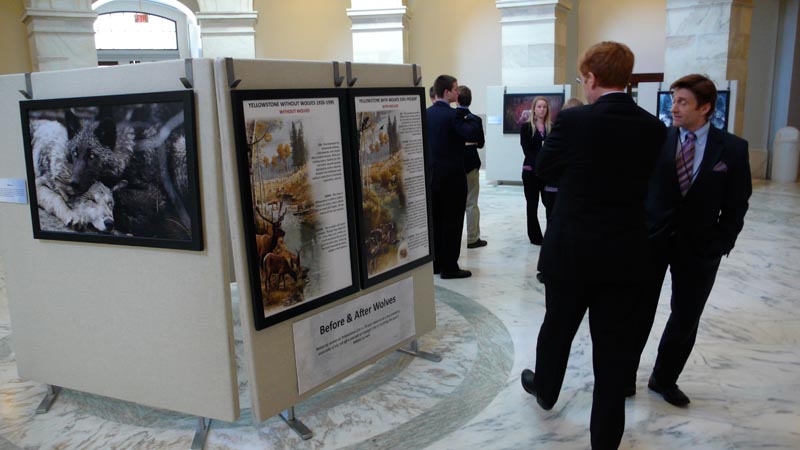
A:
[392,204]
[292,150]
[517,109]
[718,119]
[118,169]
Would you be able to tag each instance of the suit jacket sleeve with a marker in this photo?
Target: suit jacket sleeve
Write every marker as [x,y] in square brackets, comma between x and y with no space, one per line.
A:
[482,140]
[550,160]
[735,200]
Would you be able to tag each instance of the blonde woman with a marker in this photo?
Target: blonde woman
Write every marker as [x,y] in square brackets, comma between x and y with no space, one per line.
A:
[531,136]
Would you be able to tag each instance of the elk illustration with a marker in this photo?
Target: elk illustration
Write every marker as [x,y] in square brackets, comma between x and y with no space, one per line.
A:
[267,242]
[280,265]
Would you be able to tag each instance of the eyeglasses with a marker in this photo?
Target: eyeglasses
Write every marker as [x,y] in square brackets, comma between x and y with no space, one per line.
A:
[579,80]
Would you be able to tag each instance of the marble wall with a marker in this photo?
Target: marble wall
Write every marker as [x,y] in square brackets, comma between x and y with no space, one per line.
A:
[710,37]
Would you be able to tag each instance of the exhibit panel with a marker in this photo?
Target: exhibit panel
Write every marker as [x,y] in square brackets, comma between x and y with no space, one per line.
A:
[507,108]
[271,357]
[391,197]
[151,325]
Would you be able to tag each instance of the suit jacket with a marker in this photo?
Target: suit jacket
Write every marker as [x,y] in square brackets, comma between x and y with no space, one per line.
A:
[472,160]
[710,217]
[448,131]
[531,143]
[602,156]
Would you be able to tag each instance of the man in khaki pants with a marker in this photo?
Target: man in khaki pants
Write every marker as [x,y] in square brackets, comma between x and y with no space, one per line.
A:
[472,164]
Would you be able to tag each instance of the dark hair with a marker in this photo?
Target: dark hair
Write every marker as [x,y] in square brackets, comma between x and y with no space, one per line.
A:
[443,83]
[702,88]
[431,94]
[464,96]
[610,62]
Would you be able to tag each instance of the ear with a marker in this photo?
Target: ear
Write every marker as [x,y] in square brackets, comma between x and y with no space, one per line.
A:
[73,123]
[106,133]
[704,108]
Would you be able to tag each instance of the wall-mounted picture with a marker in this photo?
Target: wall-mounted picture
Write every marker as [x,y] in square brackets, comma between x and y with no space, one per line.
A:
[719,118]
[392,206]
[118,169]
[294,176]
[517,109]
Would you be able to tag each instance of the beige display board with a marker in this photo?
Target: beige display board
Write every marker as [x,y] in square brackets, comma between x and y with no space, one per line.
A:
[269,353]
[147,325]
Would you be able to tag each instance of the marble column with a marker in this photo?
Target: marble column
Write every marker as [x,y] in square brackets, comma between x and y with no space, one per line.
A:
[227,28]
[60,34]
[710,37]
[534,41]
[380,31]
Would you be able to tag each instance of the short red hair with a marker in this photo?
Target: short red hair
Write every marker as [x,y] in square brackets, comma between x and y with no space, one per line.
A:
[610,62]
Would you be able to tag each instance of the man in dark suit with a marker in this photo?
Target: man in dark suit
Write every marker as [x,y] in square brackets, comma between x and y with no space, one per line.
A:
[594,253]
[472,165]
[695,210]
[448,131]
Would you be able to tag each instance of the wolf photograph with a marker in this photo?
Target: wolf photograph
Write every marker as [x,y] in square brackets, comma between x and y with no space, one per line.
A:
[118,169]
[295,201]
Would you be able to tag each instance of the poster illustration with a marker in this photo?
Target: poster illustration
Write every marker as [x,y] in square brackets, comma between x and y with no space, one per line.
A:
[117,169]
[294,178]
[718,119]
[391,197]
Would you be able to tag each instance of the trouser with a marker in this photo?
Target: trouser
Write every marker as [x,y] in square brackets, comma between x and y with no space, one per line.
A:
[532,186]
[449,200]
[473,214]
[611,308]
[692,280]
[549,202]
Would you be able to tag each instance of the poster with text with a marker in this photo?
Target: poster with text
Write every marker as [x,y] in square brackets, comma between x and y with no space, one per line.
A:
[294,176]
[392,206]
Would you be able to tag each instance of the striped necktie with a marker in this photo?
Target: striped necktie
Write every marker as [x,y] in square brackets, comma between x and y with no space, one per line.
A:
[685,163]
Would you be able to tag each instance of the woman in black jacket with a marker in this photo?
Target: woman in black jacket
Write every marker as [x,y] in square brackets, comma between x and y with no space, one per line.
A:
[531,136]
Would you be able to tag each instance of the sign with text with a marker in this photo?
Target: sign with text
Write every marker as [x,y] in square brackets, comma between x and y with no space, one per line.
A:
[13,191]
[335,340]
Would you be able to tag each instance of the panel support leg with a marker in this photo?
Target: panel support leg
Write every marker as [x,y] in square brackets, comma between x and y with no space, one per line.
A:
[200,433]
[295,424]
[49,398]
[414,350]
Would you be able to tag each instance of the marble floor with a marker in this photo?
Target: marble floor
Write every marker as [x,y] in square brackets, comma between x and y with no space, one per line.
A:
[743,376]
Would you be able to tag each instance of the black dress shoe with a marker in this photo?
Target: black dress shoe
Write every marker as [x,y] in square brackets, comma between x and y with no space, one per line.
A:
[478,243]
[537,241]
[672,394]
[527,384]
[629,391]
[540,277]
[460,273]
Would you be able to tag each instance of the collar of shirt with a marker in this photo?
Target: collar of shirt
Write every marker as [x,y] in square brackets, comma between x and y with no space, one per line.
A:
[442,102]
[613,92]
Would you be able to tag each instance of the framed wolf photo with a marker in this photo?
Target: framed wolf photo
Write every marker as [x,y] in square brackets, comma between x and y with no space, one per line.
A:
[292,151]
[718,119]
[118,169]
[392,206]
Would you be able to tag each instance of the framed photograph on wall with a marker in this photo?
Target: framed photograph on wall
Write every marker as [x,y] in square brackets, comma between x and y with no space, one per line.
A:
[119,169]
[718,119]
[517,109]
[292,150]
[392,205]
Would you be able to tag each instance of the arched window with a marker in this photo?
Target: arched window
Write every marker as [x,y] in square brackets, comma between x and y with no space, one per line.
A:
[133,31]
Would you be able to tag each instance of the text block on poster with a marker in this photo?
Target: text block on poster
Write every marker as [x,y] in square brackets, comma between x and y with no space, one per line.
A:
[333,341]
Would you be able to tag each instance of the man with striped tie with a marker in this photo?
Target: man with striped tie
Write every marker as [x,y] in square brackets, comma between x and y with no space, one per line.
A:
[695,207]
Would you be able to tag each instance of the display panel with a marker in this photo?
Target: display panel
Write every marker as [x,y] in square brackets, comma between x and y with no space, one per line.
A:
[718,119]
[392,206]
[118,169]
[294,176]
[517,109]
